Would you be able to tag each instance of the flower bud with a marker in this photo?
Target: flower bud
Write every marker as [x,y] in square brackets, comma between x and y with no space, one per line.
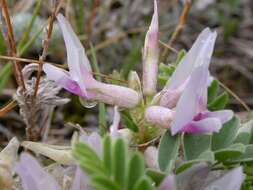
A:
[160,116]
[151,55]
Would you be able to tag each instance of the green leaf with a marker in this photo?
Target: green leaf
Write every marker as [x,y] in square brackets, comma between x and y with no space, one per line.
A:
[119,161]
[168,151]
[232,151]
[244,133]
[195,145]
[219,102]
[5,74]
[128,121]
[213,90]
[207,156]
[246,157]
[180,56]
[155,175]
[144,184]
[226,135]
[100,182]
[136,169]
[107,153]
[88,159]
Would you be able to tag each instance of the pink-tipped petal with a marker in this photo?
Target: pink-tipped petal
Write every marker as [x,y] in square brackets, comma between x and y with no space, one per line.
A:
[223,115]
[199,54]
[79,66]
[192,98]
[114,95]
[33,176]
[169,183]
[114,128]
[204,126]
[159,115]
[62,78]
[151,55]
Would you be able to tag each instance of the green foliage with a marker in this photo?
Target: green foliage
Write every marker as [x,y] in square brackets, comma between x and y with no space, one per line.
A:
[117,168]
[195,145]
[128,121]
[226,136]
[216,101]
[168,151]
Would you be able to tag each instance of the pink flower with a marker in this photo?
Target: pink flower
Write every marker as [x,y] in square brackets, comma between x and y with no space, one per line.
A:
[192,115]
[79,79]
[199,54]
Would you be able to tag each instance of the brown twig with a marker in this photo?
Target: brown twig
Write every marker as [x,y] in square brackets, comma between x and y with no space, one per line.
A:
[178,28]
[55,11]
[12,44]
[92,17]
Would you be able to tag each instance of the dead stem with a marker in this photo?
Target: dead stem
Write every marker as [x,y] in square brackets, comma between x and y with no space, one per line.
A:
[178,28]
[46,41]
[92,17]
[12,44]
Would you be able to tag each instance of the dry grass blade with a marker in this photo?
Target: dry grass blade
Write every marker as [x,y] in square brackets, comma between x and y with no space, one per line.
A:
[58,65]
[178,29]
[10,106]
[246,107]
[11,43]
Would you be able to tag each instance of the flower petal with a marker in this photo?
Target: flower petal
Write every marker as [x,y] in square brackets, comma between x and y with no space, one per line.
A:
[232,180]
[62,78]
[94,140]
[81,180]
[33,175]
[79,66]
[150,55]
[159,115]
[203,126]
[192,98]
[114,128]
[223,115]
[114,95]
[199,54]
[169,183]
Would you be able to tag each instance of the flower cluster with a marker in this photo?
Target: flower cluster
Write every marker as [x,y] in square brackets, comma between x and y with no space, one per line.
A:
[181,105]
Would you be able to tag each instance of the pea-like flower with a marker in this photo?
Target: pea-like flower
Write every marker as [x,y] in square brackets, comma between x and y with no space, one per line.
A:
[199,54]
[192,115]
[79,79]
